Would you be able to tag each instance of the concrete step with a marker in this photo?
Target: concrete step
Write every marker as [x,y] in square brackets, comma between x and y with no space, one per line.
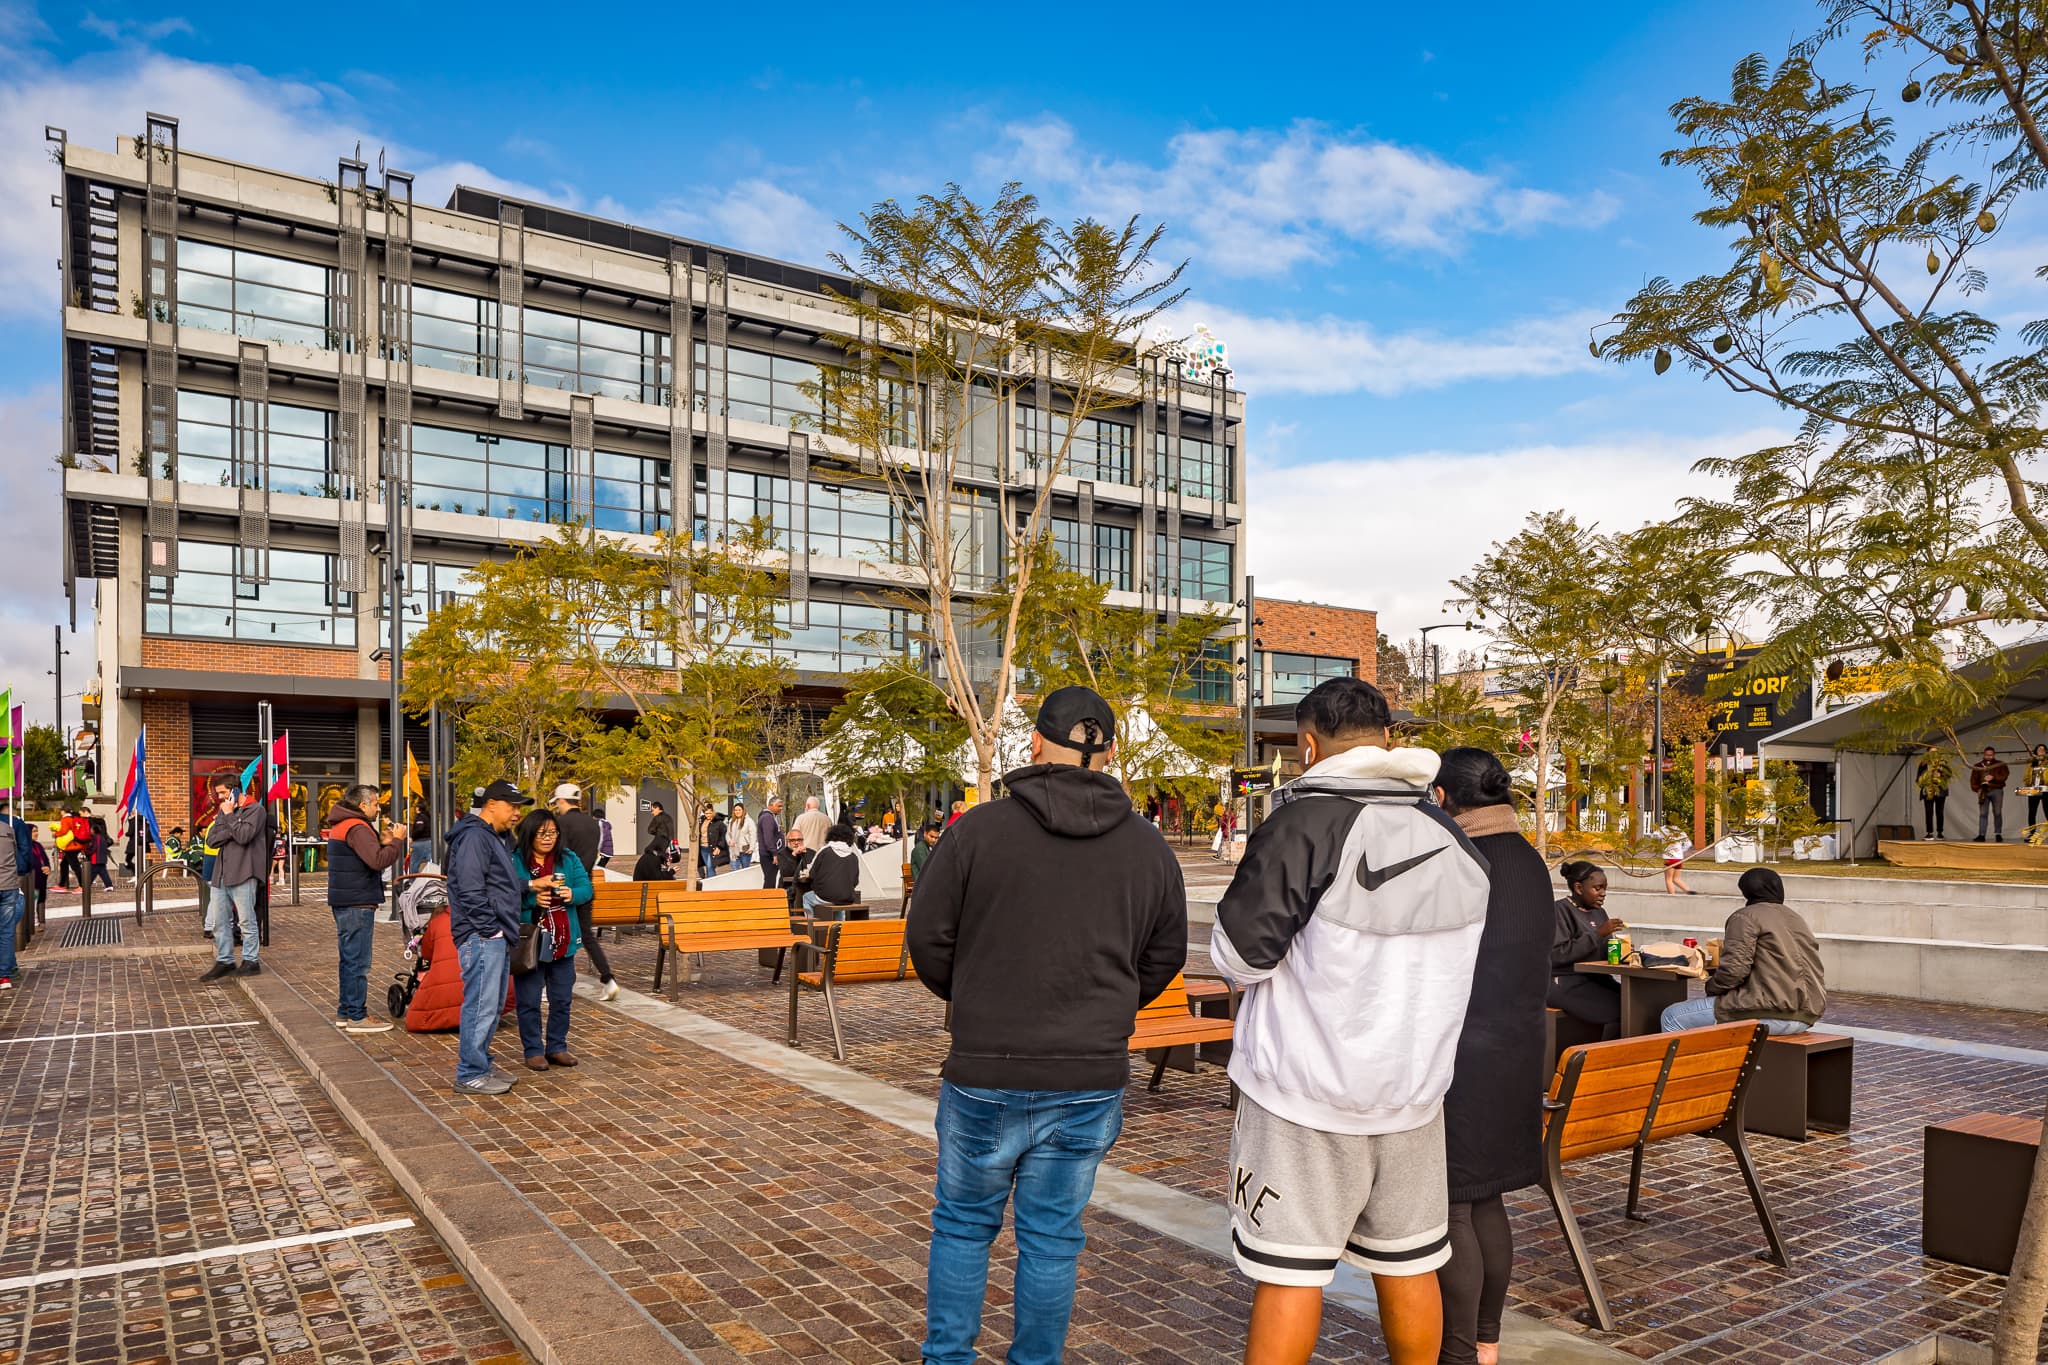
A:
[2024,924]
[1720,879]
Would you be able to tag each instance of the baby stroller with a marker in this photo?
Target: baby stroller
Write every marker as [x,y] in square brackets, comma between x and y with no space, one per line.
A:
[426,892]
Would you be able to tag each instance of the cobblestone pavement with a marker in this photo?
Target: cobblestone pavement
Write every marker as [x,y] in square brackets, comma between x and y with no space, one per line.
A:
[127,1146]
[760,1222]
[1686,1286]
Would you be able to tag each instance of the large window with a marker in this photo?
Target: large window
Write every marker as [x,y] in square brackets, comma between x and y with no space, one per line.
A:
[249,294]
[454,332]
[298,606]
[1294,676]
[426,584]
[1204,567]
[854,522]
[300,444]
[1201,471]
[762,388]
[1101,449]
[504,476]
[843,637]
[1212,675]
[1112,550]
[459,332]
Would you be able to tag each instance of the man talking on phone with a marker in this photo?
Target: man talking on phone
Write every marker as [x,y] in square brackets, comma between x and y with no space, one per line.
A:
[239,831]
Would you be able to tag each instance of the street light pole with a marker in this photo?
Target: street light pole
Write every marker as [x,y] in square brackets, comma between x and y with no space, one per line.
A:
[1251,673]
[1434,661]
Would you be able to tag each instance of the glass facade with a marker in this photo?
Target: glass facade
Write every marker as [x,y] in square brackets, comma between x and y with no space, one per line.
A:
[459,332]
[844,637]
[1204,567]
[250,294]
[762,388]
[1112,550]
[426,584]
[1201,472]
[1294,676]
[504,476]
[1101,449]
[1211,679]
[300,444]
[298,606]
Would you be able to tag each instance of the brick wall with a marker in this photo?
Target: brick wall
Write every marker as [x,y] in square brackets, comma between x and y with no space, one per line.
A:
[1312,628]
[169,725]
[229,656]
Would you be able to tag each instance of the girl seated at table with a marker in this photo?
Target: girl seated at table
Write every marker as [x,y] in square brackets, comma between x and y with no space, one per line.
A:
[1580,935]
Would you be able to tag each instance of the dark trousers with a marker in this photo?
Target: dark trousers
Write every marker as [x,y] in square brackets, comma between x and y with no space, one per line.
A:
[1592,1000]
[1933,810]
[771,871]
[99,874]
[2037,810]
[558,981]
[1991,812]
[1475,1283]
[68,867]
[591,945]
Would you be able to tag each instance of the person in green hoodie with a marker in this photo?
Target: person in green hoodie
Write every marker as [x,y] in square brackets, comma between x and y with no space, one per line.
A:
[557,883]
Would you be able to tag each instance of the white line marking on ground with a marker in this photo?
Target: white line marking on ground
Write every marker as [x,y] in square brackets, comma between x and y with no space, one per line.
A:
[127,1032]
[88,1272]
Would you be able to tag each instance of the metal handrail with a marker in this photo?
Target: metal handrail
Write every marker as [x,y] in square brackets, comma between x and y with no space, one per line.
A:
[145,887]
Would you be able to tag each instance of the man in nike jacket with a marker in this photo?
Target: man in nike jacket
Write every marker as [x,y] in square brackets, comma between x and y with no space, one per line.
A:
[1354,923]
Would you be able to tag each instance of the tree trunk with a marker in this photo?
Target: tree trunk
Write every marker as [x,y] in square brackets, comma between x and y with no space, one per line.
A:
[985,760]
[1543,786]
[2017,1341]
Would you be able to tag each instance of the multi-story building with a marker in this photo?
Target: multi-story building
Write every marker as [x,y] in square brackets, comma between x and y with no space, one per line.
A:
[1298,647]
[256,362]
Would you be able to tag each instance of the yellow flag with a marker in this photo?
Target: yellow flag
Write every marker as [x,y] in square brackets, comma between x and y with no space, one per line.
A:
[413,785]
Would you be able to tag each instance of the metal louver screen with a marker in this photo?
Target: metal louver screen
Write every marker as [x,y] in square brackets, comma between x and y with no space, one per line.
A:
[230,732]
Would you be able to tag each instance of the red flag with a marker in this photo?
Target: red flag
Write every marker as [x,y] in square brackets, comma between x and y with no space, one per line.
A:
[280,767]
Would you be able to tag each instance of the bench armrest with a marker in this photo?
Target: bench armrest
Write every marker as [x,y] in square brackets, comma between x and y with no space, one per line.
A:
[1236,992]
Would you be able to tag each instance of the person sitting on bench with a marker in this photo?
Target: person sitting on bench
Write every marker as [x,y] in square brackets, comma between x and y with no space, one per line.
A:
[833,877]
[1770,967]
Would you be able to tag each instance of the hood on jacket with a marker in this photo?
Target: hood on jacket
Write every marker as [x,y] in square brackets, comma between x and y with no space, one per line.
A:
[838,847]
[340,811]
[1353,771]
[1078,803]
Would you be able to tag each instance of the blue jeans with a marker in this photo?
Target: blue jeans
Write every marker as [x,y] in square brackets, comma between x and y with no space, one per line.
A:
[231,903]
[1044,1145]
[1700,1014]
[710,861]
[742,860]
[11,906]
[558,980]
[485,962]
[822,909]
[353,927]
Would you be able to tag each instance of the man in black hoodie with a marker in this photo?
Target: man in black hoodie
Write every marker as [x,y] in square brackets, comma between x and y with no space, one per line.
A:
[1048,920]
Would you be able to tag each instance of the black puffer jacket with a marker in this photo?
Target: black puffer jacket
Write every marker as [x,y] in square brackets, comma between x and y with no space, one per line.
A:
[1047,919]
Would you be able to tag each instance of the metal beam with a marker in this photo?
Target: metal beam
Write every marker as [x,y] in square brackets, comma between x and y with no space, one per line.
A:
[160,373]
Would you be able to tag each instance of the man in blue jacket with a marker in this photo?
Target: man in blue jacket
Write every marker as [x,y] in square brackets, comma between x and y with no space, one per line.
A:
[485,887]
[15,839]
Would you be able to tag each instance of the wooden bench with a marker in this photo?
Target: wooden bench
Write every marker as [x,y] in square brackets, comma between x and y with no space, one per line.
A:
[1167,1023]
[1975,1175]
[848,951]
[1807,1081]
[615,905]
[724,921]
[1627,1094]
[1560,1031]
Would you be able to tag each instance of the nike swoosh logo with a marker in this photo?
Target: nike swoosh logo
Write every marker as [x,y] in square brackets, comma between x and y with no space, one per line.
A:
[1372,879]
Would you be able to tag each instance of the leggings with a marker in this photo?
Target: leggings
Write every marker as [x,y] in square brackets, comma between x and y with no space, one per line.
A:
[1475,1283]
[1934,815]
[591,947]
[2037,810]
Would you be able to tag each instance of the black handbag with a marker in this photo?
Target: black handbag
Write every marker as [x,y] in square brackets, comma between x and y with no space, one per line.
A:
[526,957]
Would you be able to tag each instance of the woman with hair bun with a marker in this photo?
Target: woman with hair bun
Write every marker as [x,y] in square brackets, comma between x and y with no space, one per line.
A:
[1493,1130]
[1582,925]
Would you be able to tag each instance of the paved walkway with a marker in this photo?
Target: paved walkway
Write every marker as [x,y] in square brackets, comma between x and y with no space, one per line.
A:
[172,1186]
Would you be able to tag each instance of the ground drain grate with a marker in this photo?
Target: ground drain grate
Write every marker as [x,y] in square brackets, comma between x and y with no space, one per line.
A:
[91,933]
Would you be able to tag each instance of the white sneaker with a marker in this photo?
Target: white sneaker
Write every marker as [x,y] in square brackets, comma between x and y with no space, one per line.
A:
[367,1026]
[610,991]
[6,983]
[340,1022]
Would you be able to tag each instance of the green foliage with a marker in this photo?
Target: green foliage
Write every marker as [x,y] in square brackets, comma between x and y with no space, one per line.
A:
[43,760]
[892,736]
[1455,714]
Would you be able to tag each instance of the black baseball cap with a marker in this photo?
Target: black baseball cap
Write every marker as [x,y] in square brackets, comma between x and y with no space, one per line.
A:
[501,790]
[1067,707]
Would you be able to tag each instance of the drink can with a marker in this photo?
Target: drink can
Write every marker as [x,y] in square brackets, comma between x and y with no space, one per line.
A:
[1692,943]
[1613,953]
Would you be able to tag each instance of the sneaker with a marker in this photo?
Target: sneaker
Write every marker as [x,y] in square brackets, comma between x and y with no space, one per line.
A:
[490,1083]
[342,1023]
[610,991]
[218,970]
[367,1026]
[251,969]
[6,983]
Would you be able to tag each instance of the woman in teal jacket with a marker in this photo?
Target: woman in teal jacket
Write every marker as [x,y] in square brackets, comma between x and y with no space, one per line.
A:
[556,884]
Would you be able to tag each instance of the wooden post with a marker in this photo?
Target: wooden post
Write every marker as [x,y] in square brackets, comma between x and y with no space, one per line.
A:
[1699,794]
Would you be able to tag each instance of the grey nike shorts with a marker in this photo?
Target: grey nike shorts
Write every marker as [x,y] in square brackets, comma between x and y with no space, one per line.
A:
[1302,1200]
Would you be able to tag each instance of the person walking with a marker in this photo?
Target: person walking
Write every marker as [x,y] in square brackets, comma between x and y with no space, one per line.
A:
[834,879]
[356,863]
[99,847]
[485,891]
[1492,1144]
[1770,967]
[661,826]
[17,841]
[1677,847]
[741,837]
[2036,788]
[583,835]
[1048,920]
[715,848]
[705,812]
[1931,775]
[557,885]
[815,824]
[768,841]
[1988,776]
[1354,920]
[71,834]
[1579,933]
[239,865]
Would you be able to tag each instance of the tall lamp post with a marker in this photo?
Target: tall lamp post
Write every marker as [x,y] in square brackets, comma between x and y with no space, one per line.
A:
[1434,661]
[1252,692]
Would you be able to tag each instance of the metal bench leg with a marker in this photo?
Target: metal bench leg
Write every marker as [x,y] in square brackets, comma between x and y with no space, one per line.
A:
[1732,1135]
[1635,1184]
[792,1006]
[781,958]
[1159,1068]
[660,957]
[832,1013]
[1582,1259]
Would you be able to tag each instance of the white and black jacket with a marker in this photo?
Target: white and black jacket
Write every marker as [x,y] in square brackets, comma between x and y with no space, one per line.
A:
[1354,922]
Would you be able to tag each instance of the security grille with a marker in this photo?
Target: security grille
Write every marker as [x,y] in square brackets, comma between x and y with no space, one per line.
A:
[102,932]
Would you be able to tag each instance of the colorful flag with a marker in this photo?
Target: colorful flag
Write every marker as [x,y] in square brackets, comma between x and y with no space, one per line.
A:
[413,786]
[21,752]
[135,802]
[7,756]
[249,774]
[281,767]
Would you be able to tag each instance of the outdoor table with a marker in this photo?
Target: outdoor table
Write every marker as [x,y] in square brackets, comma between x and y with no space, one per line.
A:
[1646,992]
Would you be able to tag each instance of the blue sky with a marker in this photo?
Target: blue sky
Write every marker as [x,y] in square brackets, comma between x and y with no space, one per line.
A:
[1402,222]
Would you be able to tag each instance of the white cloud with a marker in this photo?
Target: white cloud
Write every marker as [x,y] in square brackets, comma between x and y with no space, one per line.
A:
[134,30]
[1260,203]
[1391,534]
[755,215]
[1332,355]
[35,546]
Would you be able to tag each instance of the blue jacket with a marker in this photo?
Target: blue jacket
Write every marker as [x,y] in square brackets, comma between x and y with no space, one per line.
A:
[485,885]
[24,861]
[570,867]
